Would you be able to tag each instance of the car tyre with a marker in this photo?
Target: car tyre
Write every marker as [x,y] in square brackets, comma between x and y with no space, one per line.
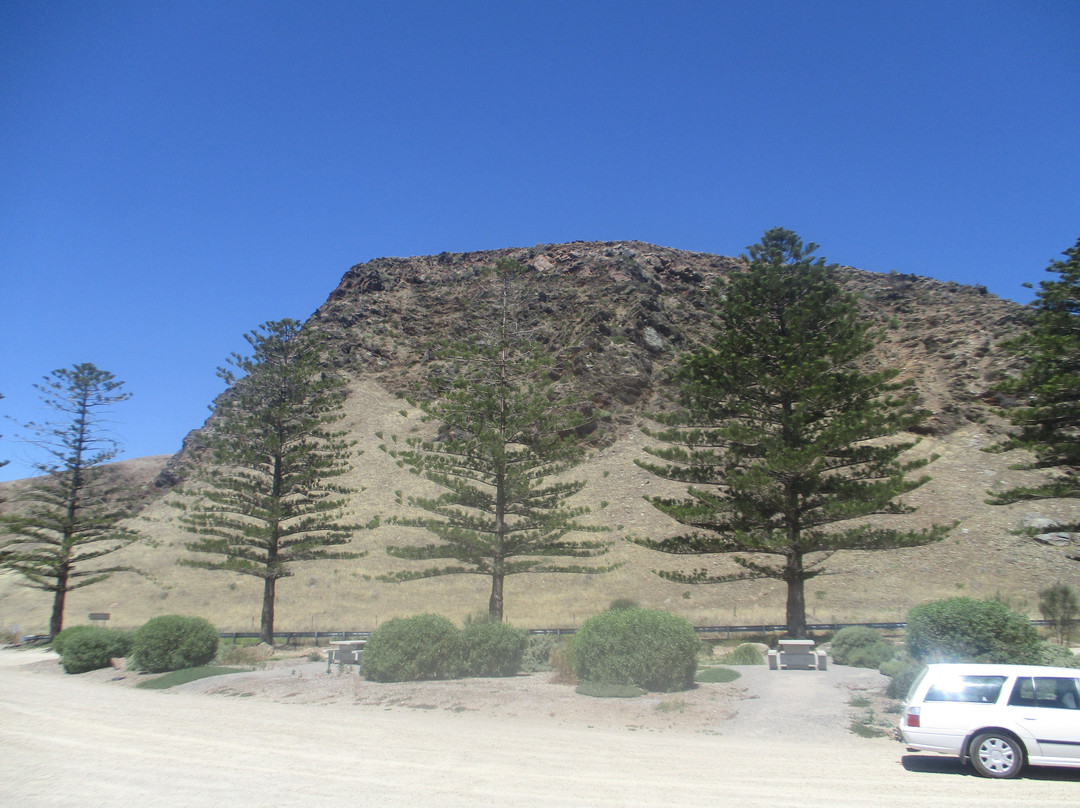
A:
[996,754]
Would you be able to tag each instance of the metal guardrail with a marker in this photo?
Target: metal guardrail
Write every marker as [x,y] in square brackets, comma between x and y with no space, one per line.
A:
[292,637]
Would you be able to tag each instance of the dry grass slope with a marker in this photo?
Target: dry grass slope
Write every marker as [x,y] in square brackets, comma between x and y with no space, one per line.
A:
[981,558]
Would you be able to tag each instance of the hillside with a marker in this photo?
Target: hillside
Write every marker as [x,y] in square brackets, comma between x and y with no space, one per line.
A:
[632,308]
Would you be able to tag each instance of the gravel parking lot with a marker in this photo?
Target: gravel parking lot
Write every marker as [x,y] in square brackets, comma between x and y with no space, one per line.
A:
[293,735]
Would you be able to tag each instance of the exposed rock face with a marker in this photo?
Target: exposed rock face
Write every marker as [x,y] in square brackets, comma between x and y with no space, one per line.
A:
[634,307]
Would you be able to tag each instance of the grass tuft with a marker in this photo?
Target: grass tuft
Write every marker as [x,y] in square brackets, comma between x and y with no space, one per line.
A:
[182,677]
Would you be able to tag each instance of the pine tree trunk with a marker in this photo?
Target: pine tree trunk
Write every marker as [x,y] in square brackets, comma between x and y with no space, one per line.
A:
[266,626]
[56,622]
[495,602]
[796,596]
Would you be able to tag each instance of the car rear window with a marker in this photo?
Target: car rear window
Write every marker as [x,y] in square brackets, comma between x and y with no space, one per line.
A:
[977,689]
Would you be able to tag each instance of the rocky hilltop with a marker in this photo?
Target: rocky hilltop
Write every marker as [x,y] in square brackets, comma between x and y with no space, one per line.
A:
[630,309]
[637,306]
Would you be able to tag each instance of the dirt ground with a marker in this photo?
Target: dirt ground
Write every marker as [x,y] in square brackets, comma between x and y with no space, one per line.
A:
[294,735]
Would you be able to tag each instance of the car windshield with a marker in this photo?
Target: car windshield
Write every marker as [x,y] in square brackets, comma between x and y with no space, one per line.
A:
[977,689]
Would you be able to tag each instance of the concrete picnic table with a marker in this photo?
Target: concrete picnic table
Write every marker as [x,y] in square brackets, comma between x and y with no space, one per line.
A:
[345,652]
[798,655]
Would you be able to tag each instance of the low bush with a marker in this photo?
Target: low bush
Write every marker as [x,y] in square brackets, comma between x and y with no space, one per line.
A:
[92,648]
[492,649]
[745,654]
[902,671]
[623,603]
[538,649]
[969,630]
[173,642]
[649,649]
[60,640]
[1059,656]
[861,647]
[412,649]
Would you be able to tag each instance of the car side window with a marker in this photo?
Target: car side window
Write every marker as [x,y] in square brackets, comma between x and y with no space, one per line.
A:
[1045,691]
[976,689]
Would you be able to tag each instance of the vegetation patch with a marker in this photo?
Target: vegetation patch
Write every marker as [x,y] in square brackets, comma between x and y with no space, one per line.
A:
[603,690]
[182,677]
[716,675]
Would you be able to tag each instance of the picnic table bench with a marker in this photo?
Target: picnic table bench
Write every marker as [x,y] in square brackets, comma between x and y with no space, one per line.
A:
[798,655]
[345,652]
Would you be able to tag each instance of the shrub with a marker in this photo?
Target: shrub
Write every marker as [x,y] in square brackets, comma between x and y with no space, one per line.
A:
[411,649]
[492,649]
[969,630]
[861,647]
[173,642]
[92,648]
[902,672]
[745,654]
[652,650]
[60,640]
[1058,656]
[623,603]
[538,650]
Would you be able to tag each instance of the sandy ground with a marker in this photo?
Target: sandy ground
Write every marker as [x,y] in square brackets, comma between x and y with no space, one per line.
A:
[293,735]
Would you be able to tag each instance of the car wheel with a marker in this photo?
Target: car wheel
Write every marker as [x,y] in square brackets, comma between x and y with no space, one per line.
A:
[996,754]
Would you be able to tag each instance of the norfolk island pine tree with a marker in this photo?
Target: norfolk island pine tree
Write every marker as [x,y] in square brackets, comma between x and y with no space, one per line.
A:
[784,437]
[71,516]
[266,499]
[505,432]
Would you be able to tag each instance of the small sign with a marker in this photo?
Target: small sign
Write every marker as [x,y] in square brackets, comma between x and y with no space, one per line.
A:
[102,616]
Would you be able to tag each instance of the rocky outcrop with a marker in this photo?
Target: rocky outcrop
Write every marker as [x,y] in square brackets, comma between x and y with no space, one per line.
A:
[634,307]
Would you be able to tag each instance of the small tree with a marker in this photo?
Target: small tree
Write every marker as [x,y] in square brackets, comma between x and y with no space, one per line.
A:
[268,500]
[785,434]
[505,433]
[72,515]
[1048,387]
[1059,605]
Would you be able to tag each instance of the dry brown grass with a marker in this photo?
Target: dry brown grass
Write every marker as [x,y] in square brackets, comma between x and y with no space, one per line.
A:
[979,559]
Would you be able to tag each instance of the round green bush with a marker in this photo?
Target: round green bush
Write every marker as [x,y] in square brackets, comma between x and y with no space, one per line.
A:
[174,642]
[653,650]
[492,649]
[861,647]
[969,630]
[91,649]
[902,671]
[412,649]
[745,654]
[60,640]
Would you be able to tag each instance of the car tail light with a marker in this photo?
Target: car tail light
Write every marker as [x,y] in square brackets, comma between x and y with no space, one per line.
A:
[912,718]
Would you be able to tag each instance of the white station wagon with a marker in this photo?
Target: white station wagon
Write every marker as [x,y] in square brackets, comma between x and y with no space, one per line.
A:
[999,717]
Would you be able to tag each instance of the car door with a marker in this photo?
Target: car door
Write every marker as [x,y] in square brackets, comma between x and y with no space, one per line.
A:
[1048,707]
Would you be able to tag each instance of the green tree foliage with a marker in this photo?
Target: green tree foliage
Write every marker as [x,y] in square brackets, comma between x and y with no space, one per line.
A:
[71,516]
[1048,387]
[784,433]
[653,650]
[1059,604]
[969,630]
[506,435]
[267,499]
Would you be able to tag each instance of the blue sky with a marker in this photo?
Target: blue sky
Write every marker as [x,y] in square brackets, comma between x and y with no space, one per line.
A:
[175,173]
